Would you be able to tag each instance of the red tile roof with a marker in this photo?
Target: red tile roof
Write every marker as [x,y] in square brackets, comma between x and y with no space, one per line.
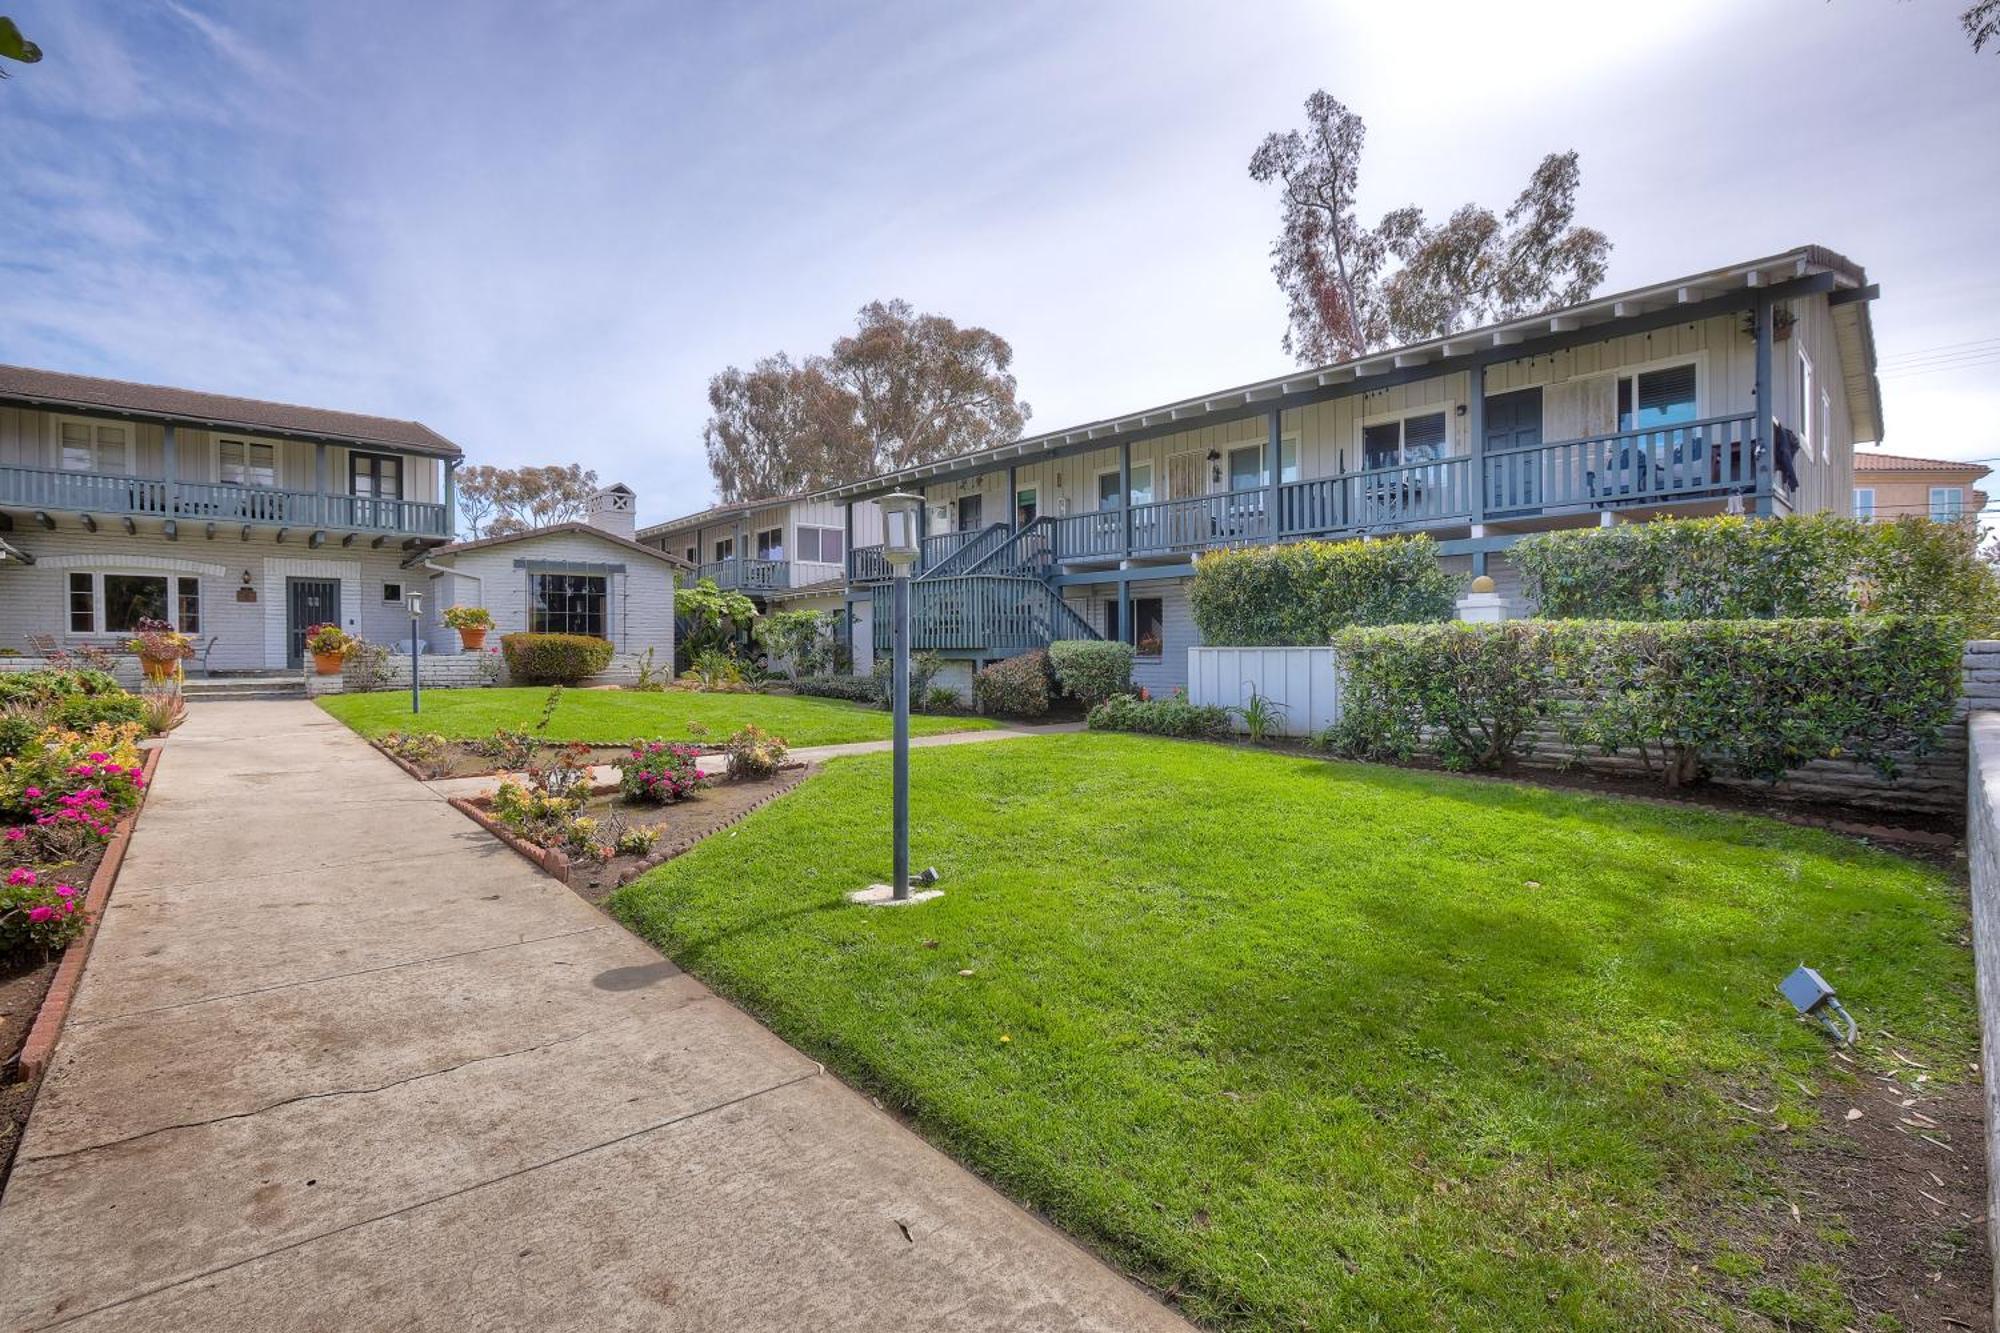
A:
[1867,460]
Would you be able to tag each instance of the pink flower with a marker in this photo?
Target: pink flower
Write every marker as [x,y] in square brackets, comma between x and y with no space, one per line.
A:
[32,793]
[39,914]
[65,891]
[16,833]
[20,875]
[97,756]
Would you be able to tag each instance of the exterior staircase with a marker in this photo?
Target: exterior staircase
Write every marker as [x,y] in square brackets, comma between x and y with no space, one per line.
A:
[220,689]
[989,598]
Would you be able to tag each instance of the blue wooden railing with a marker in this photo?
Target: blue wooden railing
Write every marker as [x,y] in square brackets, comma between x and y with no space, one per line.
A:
[995,614]
[222,502]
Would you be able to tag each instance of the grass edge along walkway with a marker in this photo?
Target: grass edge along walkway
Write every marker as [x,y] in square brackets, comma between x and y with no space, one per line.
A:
[615,717]
[1320,1044]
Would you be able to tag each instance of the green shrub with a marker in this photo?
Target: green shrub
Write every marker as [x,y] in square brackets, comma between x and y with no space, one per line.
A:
[923,669]
[81,712]
[49,684]
[1172,716]
[554,659]
[1468,692]
[1745,698]
[860,689]
[18,730]
[755,753]
[1016,687]
[1306,592]
[941,699]
[1732,568]
[1091,670]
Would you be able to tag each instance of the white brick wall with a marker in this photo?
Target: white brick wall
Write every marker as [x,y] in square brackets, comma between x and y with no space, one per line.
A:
[640,600]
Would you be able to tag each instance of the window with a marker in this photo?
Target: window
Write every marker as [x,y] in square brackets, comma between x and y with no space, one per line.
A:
[1107,490]
[1148,626]
[1947,503]
[1654,398]
[1246,465]
[82,604]
[116,603]
[376,476]
[187,605]
[89,446]
[392,592]
[1025,507]
[1423,438]
[1864,502]
[1806,421]
[694,555]
[1142,483]
[566,604]
[725,549]
[821,545]
[771,544]
[247,463]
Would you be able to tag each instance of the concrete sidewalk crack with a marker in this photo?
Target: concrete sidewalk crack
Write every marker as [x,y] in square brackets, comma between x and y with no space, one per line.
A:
[557,1160]
[330,976]
[327,1095]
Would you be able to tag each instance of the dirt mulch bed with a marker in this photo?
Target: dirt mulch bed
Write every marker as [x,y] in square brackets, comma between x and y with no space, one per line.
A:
[1892,1200]
[459,761]
[721,803]
[21,992]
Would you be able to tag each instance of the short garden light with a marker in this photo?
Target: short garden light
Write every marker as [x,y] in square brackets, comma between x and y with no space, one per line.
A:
[1812,997]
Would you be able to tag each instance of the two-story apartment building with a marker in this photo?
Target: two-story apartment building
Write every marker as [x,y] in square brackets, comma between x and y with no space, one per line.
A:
[787,553]
[1889,486]
[1740,389]
[233,519]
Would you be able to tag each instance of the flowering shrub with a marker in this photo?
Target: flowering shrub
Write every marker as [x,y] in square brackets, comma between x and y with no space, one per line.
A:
[419,747]
[636,839]
[755,753]
[157,641]
[38,914]
[329,639]
[507,748]
[538,815]
[659,773]
[468,617]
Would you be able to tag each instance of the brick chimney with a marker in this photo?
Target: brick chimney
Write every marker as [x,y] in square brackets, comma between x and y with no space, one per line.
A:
[613,509]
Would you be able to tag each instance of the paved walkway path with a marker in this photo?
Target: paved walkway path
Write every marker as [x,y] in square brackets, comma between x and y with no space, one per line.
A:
[340,1060]
[812,754]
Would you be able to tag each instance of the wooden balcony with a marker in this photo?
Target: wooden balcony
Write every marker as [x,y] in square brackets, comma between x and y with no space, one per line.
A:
[748,575]
[44,491]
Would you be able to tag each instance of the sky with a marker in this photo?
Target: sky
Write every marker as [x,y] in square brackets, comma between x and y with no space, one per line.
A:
[540,228]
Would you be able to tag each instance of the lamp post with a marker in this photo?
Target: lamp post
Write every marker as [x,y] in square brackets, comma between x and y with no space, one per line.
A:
[416,604]
[900,516]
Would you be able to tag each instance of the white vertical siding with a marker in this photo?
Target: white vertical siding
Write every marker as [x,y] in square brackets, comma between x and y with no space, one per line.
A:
[1303,682]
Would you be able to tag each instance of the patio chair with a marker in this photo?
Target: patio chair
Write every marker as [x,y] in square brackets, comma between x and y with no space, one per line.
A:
[202,648]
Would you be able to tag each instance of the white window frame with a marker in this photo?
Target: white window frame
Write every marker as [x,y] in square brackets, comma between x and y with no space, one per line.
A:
[172,578]
[1806,405]
[1449,407]
[765,550]
[722,554]
[1956,509]
[819,531]
[1287,444]
[94,424]
[1864,507]
[277,460]
[1131,496]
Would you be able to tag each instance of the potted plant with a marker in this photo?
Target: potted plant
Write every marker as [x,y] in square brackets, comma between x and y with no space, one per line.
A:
[471,622]
[329,645]
[161,649]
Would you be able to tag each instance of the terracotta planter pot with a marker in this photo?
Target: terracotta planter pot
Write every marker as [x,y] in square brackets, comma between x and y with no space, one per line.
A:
[472,640]
[165,668]
[328,664]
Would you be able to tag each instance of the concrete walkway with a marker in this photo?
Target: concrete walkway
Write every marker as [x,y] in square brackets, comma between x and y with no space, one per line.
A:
[812,754]
[342,1061]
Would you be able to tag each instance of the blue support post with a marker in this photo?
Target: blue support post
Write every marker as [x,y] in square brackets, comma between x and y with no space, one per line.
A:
[1766,435]
[899,693]
[1274,463]
[1013,500]
[1475,427]
[1125,497]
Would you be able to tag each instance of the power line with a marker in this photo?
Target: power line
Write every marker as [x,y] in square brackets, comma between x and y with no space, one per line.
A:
[1919,352]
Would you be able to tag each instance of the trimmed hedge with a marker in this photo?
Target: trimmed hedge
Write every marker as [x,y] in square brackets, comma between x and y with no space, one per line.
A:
[1091,670]
[860,689]
[554,659]
[1746,698]
[1306,592]
[1735,568]
[1172,716]
[1017,687]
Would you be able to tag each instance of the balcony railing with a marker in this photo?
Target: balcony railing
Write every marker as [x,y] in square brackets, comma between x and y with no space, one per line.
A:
[747,575]
[222,502]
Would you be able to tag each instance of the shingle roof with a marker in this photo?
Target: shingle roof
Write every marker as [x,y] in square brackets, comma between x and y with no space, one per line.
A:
[589,530]
[1866,460]
[87,392]
[714,512]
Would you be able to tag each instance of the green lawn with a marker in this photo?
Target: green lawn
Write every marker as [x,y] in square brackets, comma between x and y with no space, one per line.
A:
[1323,1045]
[613,717]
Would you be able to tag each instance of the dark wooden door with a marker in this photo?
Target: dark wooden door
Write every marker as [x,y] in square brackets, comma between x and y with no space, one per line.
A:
[308,602]
[1513,422]
[971,510]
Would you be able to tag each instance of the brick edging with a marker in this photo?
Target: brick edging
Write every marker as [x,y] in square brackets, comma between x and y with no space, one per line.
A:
[40,1046]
